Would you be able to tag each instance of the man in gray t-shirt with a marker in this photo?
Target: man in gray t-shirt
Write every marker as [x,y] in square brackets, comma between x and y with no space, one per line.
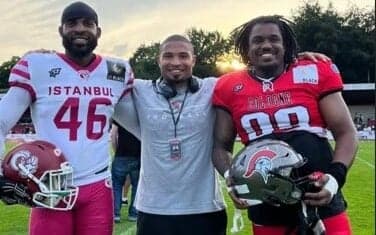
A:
[178,191]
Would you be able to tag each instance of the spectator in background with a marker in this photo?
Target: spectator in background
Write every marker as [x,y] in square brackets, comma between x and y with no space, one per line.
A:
[358,121]
[126,187]
[126,162]
[27,130]
[371,123]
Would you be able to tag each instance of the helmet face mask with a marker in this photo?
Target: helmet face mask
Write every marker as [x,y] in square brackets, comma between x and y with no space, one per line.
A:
[261,172]
[43,169]
[56,187]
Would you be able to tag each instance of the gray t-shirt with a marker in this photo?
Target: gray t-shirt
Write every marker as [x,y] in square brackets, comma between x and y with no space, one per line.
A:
[187,184]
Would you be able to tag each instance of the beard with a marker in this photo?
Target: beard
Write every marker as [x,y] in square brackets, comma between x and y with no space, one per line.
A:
[79,51]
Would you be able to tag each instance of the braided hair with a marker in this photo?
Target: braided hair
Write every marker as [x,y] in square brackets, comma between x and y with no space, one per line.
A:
[241,35]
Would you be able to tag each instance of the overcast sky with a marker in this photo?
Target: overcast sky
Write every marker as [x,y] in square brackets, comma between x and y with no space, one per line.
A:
[126,24]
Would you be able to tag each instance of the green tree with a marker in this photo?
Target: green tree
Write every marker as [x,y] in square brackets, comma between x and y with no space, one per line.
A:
[144,62]
[209,47]
[316,29]
[357,45]
[348,39]
[5,71]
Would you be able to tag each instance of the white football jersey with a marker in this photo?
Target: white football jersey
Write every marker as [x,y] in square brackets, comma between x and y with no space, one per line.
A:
[72,106]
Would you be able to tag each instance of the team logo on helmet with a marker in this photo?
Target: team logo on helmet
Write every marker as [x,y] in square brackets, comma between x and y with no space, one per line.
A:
[260,162]
[57,152]
[27,160]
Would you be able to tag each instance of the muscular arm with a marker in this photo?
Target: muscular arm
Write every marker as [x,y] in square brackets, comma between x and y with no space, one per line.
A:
[338,119]
[337,116]
[224,137]
[126,115]
[12,106]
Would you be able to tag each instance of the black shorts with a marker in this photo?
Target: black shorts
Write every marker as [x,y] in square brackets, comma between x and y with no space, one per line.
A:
[194,224]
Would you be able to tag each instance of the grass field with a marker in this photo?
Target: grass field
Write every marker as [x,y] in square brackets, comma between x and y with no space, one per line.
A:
[359,192]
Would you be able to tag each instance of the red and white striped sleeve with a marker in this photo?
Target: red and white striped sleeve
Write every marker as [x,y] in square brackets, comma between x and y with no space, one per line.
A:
[20,77]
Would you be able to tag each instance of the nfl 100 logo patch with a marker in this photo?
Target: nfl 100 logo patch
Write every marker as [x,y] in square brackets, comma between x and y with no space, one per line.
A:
[115,71]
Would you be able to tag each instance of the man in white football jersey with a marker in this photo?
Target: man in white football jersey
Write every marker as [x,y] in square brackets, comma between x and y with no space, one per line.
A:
[72,97]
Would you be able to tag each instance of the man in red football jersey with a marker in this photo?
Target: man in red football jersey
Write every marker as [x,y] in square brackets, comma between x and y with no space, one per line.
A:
[277,97]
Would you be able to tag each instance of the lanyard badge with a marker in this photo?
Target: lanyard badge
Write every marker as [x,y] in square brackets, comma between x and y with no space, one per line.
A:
[175,149]
[175,143]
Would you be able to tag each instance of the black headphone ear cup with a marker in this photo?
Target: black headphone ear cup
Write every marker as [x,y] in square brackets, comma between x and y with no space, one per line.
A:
[194,86]
[166,90]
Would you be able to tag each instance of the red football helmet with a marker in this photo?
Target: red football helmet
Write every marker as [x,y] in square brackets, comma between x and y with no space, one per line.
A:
[42,167]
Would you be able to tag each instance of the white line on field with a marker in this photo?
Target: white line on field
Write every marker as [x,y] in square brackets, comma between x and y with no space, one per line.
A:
[366,162]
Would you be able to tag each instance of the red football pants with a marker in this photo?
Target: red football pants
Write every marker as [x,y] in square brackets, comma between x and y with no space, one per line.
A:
[91,215]
[335,225]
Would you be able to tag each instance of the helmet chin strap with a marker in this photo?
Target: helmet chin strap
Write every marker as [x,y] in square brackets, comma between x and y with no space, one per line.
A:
[41,185]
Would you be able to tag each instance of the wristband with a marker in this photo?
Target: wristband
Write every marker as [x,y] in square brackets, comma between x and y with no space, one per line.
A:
[338,170]
[331,185]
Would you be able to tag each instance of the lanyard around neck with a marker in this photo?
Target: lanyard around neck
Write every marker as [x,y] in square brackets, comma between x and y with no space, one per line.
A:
[176,121]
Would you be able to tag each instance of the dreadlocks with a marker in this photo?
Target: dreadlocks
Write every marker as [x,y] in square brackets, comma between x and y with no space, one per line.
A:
[241,36]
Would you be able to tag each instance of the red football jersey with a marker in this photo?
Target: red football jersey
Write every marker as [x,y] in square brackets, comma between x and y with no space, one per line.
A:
[287,103]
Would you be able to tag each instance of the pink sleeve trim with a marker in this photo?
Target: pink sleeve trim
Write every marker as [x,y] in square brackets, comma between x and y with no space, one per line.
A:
[27,87]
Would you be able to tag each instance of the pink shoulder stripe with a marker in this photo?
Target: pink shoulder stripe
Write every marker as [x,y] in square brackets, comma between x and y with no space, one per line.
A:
[25,86]
[130,81]
[23,62]
[20,73]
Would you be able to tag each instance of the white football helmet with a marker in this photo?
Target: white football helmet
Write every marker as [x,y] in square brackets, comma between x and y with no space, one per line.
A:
[261,172]
[43,169]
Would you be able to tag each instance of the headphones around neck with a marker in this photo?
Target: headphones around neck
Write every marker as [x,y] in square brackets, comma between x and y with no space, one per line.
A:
[168,91]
